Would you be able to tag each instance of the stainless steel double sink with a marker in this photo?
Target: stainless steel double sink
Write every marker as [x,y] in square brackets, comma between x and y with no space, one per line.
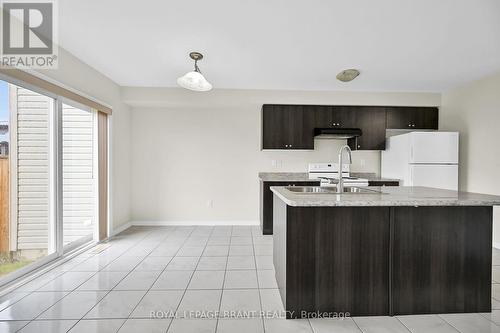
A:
[330,190]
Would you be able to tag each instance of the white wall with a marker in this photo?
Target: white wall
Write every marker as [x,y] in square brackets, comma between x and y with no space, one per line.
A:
[474,110]
[190,148]
[75,74]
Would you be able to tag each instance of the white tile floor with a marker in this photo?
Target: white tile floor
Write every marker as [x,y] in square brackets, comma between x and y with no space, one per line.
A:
[182,270]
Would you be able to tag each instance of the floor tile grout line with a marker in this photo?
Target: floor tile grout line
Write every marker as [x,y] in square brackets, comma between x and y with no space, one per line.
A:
[55,277]
[165,239]
[31,292]
[133,269]
[109,291]
[258,285]
[190,278]
[403,324]
[488,319]
[31,320]
[446,321]
[69,292]
[355,323]
[223,282]
[92,256]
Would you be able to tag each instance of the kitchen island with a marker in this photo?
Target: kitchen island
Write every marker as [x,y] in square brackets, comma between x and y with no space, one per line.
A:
[392,251]
[268,179]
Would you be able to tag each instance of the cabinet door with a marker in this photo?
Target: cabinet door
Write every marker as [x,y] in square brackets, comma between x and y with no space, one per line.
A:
[300,128]
[425,118]
[344,116]
[372,122]
[323,116]
[412,118]
[335,116]
[287,127]
[398,118]
[274,123]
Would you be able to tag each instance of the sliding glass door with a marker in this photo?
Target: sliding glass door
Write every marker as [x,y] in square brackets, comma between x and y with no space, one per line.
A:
[27,167]
[48,193]
[79,181]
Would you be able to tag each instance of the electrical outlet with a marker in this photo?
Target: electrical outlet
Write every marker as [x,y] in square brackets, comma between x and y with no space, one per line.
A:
[274,163]
[362,162]
[210,204]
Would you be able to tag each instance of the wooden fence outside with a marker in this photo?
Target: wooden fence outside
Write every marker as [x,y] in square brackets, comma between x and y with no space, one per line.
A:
[4,204]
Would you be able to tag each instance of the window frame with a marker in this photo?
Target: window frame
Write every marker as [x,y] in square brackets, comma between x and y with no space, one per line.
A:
[56,246]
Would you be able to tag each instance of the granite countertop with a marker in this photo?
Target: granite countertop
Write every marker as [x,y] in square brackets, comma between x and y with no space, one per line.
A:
[304,176]
[284,176]
[388,196]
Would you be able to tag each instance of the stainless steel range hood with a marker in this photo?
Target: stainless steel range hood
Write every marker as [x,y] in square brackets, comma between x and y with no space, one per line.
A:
[336,133]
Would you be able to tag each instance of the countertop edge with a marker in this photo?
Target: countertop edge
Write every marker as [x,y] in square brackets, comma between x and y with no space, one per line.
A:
[304,177]
[428,202]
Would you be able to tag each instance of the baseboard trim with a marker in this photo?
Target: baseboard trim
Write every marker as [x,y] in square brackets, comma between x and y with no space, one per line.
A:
[120,228]
[185,223]
[125,226]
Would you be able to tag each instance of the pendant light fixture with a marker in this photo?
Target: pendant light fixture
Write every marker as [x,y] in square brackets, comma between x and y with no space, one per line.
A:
[194,80]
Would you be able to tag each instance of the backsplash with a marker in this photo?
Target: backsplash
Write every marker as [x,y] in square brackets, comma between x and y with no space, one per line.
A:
[325,151]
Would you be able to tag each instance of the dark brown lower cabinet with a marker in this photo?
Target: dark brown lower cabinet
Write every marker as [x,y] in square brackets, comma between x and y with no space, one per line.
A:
[441,260]
[383,183]
[382,260]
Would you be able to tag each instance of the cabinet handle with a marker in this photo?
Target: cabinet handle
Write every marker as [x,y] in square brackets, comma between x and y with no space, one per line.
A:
[290,146]
[359,146]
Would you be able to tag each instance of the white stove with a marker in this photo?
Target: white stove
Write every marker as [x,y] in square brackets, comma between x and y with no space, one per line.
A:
[327,171]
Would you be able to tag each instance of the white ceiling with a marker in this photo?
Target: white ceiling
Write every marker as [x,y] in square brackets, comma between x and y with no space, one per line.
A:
[398,45]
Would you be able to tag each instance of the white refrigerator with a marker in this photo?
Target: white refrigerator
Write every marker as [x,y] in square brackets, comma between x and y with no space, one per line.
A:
[422,159]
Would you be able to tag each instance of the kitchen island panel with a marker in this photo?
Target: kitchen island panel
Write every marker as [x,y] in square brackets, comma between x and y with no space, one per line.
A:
[442,260]
[332,259]
[352,260]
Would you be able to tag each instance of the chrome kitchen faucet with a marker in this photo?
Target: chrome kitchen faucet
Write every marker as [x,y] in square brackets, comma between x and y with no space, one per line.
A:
[340,184]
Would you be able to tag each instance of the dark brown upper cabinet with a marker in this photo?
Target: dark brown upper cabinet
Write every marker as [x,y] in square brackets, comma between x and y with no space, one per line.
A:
[412,118]
[334,116]
[372,122]
[287,127]
[292,126]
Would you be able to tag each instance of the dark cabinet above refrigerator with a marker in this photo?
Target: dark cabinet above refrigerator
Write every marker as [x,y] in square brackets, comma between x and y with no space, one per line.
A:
[294,126]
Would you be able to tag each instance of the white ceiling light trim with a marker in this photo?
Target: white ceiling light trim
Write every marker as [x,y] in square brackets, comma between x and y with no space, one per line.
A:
[194,80]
